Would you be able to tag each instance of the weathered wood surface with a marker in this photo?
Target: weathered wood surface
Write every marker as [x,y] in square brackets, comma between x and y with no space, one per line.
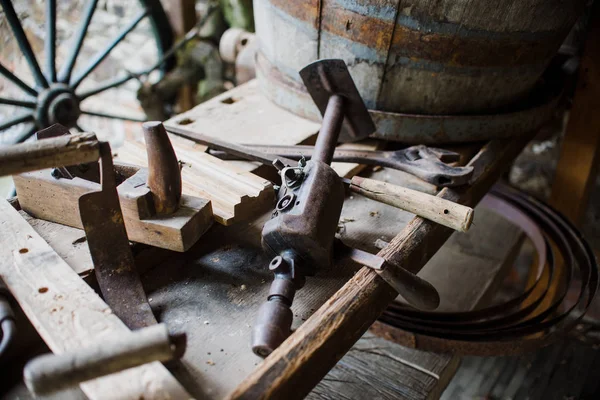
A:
[565,370]
[69,243]
[67,313]
[243,115]
[223,281]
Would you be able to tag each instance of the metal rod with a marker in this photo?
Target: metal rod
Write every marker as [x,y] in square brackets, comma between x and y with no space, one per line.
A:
[11,77]
[112,116]
[51,40]
[65,73]
[105,86]
[330,130]
[102,54]
[16,120]
[232,148]
[18,103]
[23,43]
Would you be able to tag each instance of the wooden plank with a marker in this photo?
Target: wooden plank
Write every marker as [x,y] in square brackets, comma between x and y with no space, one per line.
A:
[306,356]
[378,369]
[68,242]
[244,115]
[67,313]
[580,151]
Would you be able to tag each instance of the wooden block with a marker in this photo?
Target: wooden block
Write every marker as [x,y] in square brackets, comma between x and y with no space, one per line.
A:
[68,314]
[57,200]
[236,195]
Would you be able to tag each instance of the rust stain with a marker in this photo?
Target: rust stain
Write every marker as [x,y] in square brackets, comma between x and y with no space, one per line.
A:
[369,31]
[307,10]
[470,51]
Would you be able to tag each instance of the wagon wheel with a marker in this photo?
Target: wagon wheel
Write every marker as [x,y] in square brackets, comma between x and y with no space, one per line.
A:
[57,93]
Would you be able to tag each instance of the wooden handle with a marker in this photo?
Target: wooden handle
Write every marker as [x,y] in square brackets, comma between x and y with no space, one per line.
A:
[444,212]
[49,373]
[47,153]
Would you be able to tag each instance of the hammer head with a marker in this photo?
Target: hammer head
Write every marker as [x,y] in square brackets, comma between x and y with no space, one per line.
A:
[324,78]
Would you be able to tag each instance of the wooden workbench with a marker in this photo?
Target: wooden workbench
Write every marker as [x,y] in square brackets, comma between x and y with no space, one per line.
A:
[213,291]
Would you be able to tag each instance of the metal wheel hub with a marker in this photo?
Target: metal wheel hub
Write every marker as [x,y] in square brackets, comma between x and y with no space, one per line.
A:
[57,105]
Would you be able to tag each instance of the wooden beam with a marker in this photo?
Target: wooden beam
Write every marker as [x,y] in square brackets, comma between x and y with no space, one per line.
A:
[68,314]
[306,356]
[580,154]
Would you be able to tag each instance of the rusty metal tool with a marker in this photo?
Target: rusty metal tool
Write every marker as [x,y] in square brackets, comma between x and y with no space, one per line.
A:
[300,235]
[421,204]
[50,373]
[114,265]
[414,289]
[427,163]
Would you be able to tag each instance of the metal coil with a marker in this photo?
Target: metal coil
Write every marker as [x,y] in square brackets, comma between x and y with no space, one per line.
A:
[520,324]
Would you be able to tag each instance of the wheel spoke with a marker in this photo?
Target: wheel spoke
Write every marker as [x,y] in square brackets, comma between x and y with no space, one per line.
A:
[28,132]
[51,40]
[112,116]
[24,45]
[104,86]
[11,77]
[16,120]
[18,103]
[102,54]
[65,73]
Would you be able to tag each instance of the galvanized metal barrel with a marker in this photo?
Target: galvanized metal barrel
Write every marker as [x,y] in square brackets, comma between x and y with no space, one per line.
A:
[425,57]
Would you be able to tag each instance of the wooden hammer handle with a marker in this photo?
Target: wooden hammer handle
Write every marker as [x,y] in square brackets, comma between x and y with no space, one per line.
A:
[444,212]
[47,153]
